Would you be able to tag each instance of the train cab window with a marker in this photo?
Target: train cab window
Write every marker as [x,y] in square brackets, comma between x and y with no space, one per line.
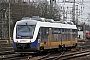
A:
[25,31]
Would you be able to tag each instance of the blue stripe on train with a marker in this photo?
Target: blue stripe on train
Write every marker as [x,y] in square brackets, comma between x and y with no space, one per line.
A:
[34,44]
[14,44]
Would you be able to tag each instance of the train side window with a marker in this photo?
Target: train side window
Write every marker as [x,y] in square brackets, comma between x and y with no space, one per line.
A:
[59,35]
[74,34]
[63,34]
[55,34]
[68,34]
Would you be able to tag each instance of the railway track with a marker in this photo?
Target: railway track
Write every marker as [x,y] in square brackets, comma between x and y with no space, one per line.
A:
[84,44]
[66,56]
[21,57]
[10,55]
[7,52]
[55,56]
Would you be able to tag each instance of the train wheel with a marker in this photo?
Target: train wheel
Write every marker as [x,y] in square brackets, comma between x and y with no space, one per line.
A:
[41,48]
[60,49]
[38,52]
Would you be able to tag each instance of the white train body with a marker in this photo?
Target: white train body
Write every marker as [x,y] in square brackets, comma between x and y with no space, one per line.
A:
[31,35]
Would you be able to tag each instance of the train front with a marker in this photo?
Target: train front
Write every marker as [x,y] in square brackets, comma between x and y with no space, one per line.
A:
[23,36]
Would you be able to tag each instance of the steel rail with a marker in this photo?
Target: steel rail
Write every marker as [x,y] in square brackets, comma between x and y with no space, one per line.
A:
[67,56]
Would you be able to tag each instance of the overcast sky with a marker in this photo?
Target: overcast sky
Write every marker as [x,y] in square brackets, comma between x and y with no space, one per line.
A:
[86,8]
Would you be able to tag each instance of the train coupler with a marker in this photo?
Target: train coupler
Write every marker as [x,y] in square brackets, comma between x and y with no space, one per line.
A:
[29,57]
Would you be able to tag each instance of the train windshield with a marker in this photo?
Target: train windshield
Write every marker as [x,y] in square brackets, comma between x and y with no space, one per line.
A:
[25,31]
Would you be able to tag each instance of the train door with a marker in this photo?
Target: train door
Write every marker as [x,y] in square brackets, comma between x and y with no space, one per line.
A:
[49,38]
[44,37]
[48,44]
[55,37]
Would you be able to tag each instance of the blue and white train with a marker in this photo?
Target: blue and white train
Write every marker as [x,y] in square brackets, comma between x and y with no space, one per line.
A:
[31,36]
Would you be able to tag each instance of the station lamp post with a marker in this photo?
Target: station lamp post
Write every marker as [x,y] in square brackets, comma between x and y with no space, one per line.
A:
[84,31]
[9,24]
[2,14]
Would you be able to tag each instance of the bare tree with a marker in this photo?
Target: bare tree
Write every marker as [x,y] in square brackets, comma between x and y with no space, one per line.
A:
[20,9]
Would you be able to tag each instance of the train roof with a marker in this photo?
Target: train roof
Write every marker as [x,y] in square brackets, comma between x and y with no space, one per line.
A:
[30,21]
[56,25]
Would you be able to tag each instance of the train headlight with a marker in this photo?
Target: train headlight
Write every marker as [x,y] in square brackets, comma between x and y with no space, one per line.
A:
[30,40]
[16,40]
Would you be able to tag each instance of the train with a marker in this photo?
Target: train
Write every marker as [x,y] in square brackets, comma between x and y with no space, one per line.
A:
[33,35]
[88,35]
